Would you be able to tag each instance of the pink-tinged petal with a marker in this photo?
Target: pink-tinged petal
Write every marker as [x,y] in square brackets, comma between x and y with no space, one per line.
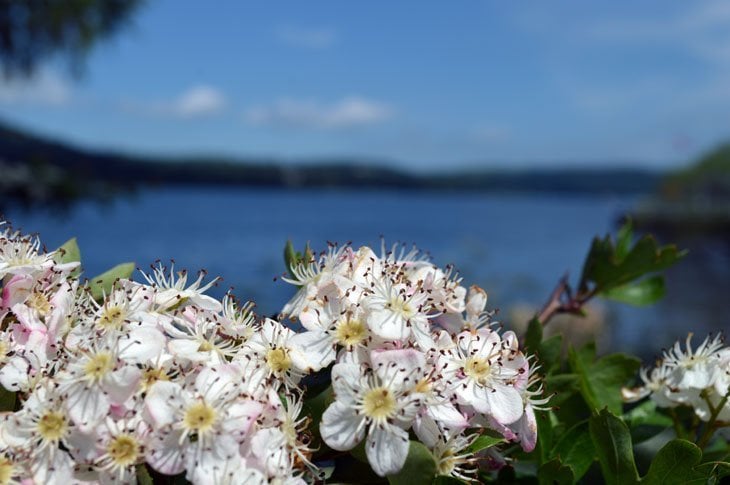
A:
[122,383]
[387,449]
[387,324]
[165,453]
[341,428]
[16,290]
[311,351]
[526,428]
[505,404]
[240,416]
[28,318]
[476,301]
[141,344]
[397,365]
[451,322]
[162,401]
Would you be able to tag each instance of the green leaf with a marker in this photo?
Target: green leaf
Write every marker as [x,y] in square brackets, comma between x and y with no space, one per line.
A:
[550,352]
[69,252]
[291,259]
[612,441]
[533,336]
[575,449]
[601,381]
[645,292]
[485,441]
[624,238]
[103,283]
[419,467]
[716,469]
[7,400]
[646,421]
[675,463]
[315,407]
[143,475]
[554,472]
[608,267]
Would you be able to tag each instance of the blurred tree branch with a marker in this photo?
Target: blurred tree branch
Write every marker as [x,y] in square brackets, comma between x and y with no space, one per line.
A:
[33,31]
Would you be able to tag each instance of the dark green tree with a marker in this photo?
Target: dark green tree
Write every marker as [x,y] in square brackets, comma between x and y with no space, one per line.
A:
[33,31]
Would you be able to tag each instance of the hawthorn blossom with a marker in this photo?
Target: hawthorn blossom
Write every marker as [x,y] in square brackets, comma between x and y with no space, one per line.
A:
[379,402]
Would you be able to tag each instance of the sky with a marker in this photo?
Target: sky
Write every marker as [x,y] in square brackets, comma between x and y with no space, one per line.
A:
[419,85]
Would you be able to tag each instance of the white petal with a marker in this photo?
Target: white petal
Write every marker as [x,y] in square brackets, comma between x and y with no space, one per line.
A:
[14,374]
[387,449]
[122,383]
[387,324]
[162,402]
[141,344]
[312,351]
[345,378]
[87,406]
[341,428]
[165,454]
[505,404]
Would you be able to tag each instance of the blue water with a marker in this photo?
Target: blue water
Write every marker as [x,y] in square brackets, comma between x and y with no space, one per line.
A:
[515,246]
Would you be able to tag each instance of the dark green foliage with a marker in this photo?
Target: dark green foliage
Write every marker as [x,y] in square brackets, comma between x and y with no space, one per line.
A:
[32,31]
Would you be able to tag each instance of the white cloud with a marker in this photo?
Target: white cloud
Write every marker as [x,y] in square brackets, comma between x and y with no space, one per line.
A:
[45,88]
[199,101]
[307,38]
[348,112]
[196,102]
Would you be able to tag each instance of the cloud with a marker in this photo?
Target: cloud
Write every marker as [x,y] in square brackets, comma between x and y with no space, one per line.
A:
[348,112]
[199,101]
[196,102]
[307,38]
[45,88]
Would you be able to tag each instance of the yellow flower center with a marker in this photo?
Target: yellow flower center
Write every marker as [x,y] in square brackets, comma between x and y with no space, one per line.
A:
[423,386]
[402,307]
[278,360]
[124,450]
[379,403]
[199,418]
[478,369]
[52,426]
[445,463]
[7,470]
[205,346]
[111,318]
[4,348]
[351,332]
[99,366]
[150,376]
[39,302]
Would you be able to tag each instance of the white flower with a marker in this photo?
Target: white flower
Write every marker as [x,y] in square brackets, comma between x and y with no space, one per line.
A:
[94,380]
[379,402]
[173,291]
[483,369]
[273,344]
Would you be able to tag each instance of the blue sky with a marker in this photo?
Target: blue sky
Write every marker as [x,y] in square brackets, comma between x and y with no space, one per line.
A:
[424,85]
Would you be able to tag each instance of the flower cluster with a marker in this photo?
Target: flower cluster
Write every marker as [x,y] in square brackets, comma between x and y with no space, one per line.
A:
[156,373]
[697,378]
[411,350]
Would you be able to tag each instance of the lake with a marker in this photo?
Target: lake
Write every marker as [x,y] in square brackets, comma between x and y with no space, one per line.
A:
[514,246]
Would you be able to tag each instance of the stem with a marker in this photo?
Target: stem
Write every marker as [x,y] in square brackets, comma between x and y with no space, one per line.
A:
[712,422]
[562,300]
[678,430]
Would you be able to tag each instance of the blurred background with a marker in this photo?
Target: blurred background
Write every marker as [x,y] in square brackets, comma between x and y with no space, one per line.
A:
[499,136]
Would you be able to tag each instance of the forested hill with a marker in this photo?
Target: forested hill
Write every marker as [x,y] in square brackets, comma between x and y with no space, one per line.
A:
[75,170]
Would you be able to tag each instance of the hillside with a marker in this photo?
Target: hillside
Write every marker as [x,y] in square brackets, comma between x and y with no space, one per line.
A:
[34,163]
